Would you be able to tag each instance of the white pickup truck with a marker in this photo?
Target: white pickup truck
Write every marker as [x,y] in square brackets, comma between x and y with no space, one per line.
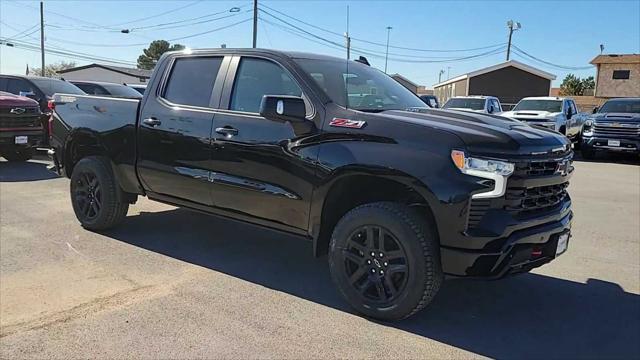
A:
[556,113]
[481,104]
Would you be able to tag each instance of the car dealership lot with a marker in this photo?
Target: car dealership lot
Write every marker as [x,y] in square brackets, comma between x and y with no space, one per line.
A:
[176,284]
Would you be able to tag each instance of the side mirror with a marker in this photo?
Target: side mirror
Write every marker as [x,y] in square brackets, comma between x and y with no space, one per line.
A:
[491,109]
[283,108]
[595,110]
[569,113]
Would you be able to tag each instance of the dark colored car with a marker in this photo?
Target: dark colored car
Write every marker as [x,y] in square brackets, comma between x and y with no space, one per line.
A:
[20,127]
[40,89]
[614,127]
[430,100]
[106,89]
[396,193]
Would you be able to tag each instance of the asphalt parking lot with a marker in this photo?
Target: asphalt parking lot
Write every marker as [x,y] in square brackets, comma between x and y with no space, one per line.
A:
[170,283]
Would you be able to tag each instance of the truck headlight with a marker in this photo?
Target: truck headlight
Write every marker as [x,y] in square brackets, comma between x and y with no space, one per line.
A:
[496,170]
[587,129]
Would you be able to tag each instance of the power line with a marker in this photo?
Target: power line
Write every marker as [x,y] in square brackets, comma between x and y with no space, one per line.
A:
[158,15]
[564,67]
[377,43]
[63,52]
[378,54]
[166,26]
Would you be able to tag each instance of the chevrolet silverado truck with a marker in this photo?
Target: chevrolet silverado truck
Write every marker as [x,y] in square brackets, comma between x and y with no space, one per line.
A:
[20,127]
[481,104]
[555,113]
[334,151]
[614,127]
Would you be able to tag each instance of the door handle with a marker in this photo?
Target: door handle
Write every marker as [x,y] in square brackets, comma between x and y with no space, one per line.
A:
[227,131]
[152,121]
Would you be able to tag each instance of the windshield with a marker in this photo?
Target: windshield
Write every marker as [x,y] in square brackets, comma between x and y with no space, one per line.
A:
[462,103]
[539,105]
[52,86]
[121,90]
[361,88]
[621,106]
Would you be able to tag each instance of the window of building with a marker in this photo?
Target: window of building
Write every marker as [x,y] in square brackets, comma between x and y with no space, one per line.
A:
[621,74]
[191,80]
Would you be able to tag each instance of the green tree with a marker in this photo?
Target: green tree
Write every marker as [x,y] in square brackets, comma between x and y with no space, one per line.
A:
[51,70]
[571,85]
[588,83]
[150,55]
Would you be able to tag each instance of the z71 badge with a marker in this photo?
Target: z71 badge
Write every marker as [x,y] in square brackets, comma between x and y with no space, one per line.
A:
[353,124]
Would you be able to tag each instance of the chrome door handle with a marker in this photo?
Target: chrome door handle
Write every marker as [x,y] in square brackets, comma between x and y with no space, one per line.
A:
[227,131]
[152,121]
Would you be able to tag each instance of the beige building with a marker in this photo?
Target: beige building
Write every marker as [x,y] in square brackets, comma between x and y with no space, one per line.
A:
[617,75]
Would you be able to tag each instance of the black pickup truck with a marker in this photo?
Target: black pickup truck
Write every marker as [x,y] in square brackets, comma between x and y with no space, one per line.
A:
[334,151]
[614,127]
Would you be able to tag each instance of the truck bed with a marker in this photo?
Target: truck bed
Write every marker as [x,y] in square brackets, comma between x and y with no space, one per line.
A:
[106,122]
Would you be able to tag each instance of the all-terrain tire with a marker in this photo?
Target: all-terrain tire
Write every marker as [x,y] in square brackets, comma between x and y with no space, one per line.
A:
[97,199]
[413,233]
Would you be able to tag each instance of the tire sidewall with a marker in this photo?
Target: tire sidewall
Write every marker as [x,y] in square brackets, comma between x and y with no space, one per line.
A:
[407,237]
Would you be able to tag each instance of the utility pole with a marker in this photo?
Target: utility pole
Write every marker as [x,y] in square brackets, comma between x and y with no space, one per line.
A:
[386,57]
[255,23]
[513,26]
[347,38]
[42,36]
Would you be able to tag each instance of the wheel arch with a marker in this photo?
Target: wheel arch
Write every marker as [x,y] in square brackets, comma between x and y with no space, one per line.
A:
[351,186]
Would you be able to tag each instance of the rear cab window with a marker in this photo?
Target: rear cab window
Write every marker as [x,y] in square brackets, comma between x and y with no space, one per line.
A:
[191,81]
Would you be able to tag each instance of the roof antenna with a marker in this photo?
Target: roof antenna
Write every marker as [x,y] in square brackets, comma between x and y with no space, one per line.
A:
[363,60]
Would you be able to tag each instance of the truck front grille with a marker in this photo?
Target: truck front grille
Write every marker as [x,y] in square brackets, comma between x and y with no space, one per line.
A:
[529,169]
[524,201]
[31,117]
[610,130]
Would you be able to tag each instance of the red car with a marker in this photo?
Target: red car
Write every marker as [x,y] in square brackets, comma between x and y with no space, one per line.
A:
[20,127]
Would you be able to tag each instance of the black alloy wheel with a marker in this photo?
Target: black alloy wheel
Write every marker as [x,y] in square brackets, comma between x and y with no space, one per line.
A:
[376,264]
[88,195]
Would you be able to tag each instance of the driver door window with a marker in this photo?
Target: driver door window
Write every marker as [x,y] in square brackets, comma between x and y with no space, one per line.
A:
[256,78]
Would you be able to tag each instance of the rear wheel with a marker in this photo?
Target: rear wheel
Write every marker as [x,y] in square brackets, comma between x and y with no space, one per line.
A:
[384,258]
[18,154]
[97,199]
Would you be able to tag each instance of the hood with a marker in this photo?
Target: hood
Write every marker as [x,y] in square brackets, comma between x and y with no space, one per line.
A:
[11,100]
[486,134]
[531,114]
[616,117]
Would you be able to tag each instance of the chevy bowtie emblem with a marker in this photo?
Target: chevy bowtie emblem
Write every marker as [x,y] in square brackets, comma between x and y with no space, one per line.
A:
[17,111]
[353,124]
[615,124]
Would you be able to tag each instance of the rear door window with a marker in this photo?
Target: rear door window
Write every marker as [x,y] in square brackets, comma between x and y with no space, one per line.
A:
[256,78]
[191,80]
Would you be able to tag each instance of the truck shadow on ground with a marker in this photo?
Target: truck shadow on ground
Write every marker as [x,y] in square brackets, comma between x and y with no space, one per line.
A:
[610,158]
[25,171]
[528,316]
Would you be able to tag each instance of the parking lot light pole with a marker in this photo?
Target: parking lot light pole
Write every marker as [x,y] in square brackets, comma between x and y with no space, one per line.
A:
[255,23]
[386,57]
[42,36]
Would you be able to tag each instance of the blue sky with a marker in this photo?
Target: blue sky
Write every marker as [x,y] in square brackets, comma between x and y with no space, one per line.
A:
[566,33]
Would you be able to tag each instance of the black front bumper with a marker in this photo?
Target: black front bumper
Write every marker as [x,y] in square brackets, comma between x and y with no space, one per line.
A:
[521,251]
[601,143]
[8,138]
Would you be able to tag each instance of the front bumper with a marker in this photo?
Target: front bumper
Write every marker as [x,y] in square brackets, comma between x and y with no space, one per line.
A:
[8,138]
[601,143]
[522,251]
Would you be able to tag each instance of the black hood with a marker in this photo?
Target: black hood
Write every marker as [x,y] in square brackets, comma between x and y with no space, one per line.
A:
[488,135]
[633,118]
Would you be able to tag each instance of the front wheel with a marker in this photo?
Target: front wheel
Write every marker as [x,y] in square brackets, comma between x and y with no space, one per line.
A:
[385,260]
[97,199]
[18,154]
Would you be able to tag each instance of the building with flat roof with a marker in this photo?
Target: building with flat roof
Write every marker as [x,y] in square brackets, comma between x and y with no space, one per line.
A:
[617,75]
